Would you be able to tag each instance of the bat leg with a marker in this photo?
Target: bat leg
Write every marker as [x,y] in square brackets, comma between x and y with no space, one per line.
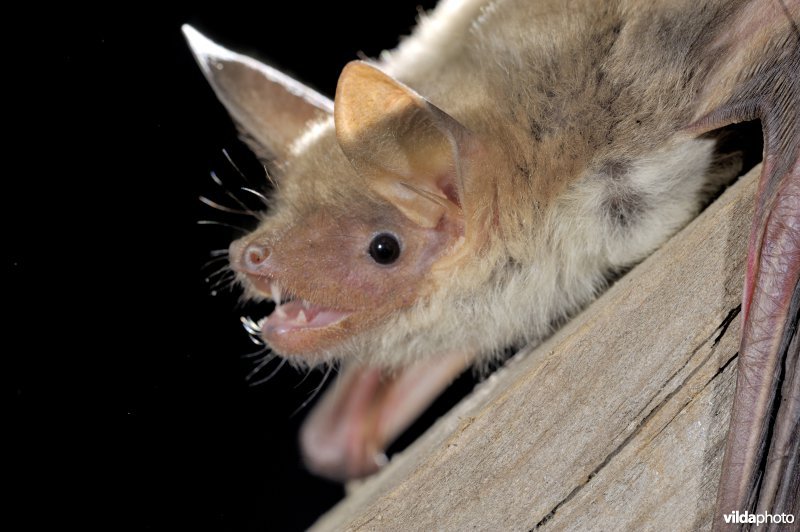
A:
[366,409]
[761,468]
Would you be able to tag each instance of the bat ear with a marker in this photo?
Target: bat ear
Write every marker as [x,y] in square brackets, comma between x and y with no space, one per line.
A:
[410,150]
[270,108]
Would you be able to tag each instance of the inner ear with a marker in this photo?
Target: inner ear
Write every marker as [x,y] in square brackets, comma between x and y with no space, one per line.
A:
[407,148]
[270,108]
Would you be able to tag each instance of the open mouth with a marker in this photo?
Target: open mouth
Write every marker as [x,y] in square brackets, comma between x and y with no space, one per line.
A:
[291,315]
[348,432]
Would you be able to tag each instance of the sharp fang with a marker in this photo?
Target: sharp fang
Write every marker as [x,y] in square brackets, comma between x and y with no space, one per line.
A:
[279,311]
[301,317]
[275,289]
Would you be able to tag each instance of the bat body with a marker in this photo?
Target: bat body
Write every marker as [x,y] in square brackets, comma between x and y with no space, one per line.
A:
[483,182]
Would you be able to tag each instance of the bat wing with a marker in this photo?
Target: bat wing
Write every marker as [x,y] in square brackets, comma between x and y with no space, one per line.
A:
[756,75]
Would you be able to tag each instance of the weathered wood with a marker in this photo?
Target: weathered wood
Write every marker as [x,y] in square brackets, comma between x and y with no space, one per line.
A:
[617,422]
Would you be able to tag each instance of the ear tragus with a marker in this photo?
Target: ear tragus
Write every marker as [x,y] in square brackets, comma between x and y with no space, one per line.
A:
[267,105]
[407,147]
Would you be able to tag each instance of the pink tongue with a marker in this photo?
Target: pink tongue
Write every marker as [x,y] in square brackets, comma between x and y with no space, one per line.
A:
[346,434]
[287,317]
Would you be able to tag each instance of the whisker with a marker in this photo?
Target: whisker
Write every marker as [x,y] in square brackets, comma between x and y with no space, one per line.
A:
[209,262]
[218,252]
[216,179]
[269,176]
[230,160]
[316,391]
[268,377]
[250,326]
[257,340]
[225,208]
[253,330]
[257,353]
[222,280]
[261,196]
[227,192]
[223,224]
[222,285]
[219,271]
[267,359]
[309,372]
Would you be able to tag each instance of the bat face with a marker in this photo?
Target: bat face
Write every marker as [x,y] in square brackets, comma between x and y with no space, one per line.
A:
[367,206]
[335,268]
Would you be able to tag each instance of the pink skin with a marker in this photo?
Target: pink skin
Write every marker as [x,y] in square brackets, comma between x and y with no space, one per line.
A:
[366,409]
[322,261]
[292,322]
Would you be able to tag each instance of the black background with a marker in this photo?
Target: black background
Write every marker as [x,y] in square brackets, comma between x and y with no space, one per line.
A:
[130,407]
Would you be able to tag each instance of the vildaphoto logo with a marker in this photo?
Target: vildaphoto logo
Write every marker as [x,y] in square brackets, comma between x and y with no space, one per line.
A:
[741,518]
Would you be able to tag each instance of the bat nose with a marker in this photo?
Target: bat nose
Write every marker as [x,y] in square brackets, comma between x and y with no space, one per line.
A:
[255,255]
[248,257]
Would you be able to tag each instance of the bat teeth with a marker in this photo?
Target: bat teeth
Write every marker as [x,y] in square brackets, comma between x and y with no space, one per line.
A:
[279,312]
[301,317]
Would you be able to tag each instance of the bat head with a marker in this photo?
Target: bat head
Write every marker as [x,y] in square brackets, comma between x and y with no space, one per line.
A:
[368,205]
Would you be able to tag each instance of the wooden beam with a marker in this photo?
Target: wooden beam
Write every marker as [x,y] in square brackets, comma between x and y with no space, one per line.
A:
[617,422]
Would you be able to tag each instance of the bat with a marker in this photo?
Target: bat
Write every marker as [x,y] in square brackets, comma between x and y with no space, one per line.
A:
[478,185]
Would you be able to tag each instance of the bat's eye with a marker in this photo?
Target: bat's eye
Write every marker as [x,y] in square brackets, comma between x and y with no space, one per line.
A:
[384,248]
